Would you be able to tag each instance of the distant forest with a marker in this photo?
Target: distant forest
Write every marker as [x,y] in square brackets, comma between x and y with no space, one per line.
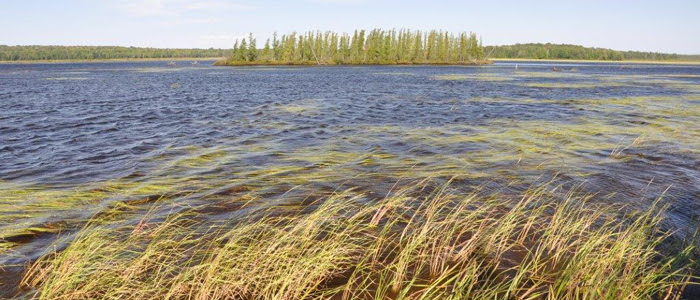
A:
[17,53]
[563,51]
[362,47]
[377,47]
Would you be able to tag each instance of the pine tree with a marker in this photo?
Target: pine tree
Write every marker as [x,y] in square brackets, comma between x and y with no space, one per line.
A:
[275,47]
[234,53]
[418,54]
[266,53]
[252,54]
[374,47]
[242,51]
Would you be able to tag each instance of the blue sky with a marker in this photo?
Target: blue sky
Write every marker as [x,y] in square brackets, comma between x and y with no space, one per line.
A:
[665,26]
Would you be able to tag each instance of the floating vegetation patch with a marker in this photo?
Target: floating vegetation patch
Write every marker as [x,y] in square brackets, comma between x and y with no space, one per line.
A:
[301,107]
[66,78]
[684,86]
[533,74]
[394,73]
[572,85]
[681,75]
[479,76]
[268,68]
[159,69]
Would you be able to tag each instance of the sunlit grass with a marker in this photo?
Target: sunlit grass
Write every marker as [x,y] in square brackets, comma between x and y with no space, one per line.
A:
[417,243]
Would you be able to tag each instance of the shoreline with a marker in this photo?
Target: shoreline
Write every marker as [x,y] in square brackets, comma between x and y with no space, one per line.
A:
[218,62]
[655,62]
[64,61]
[223,63]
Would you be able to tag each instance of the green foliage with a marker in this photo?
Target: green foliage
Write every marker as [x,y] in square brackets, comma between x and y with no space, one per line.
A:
[563,51]
[252,53]
[18,53]
[363,47]
[416,243]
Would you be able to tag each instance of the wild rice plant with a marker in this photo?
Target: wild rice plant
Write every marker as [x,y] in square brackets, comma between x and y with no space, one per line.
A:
[416,243]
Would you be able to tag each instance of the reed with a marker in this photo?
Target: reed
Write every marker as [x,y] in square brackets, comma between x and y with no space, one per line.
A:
[419,242]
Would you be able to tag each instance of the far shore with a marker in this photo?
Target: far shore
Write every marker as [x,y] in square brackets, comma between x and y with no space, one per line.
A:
[225,63]
[219,59]
[660,62]
[62,61]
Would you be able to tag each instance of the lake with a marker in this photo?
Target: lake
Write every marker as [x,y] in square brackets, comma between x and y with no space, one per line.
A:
[79,139]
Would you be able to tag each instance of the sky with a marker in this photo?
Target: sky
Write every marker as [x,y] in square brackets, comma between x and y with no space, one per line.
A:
[671,26]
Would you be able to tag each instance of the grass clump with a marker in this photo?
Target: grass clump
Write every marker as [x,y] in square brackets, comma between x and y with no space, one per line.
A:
[420,242]
[573,85]
[476,77]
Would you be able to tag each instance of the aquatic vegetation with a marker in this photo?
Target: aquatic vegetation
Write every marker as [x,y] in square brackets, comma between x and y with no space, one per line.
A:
[268,68]
[66,78]
[304,106]
[478,76]
[415,243]
[682,75]
[30,211]
[341,191]
[572,85]
[394,73]
[533,74]
[160,70]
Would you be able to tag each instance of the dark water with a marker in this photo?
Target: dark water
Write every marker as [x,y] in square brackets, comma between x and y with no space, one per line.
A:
[76,138]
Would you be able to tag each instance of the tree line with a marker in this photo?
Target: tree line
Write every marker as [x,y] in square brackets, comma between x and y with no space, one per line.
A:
[373,47]
[564,51]
[18,53]
[362,47]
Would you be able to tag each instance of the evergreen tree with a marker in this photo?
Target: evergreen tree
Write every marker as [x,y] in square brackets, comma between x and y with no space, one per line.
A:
[235,51]
[252,54]
[242,51]
[363,47]
[266,53]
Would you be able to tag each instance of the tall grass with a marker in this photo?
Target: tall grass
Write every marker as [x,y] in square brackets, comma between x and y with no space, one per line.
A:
[419,242]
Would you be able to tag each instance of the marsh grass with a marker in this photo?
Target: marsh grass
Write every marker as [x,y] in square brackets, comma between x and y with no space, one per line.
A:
[306,107]
[608,136]
[574,85]
[419,242]
[477,77]
[241,231]
[66,78]
[535,74]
